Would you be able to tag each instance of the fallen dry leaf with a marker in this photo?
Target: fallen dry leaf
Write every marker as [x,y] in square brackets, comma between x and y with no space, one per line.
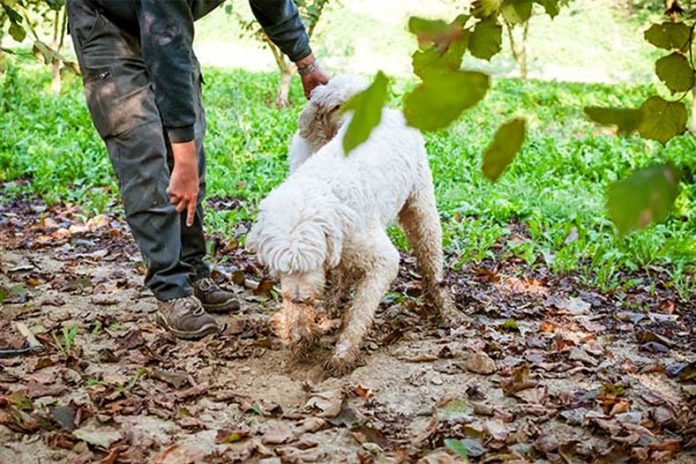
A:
[328,403]
[518,381]
[278,434]
[102,437]
[569,305]
[231,436]
[179,454]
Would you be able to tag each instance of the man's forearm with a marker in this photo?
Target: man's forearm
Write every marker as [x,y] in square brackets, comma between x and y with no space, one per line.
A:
[281,21]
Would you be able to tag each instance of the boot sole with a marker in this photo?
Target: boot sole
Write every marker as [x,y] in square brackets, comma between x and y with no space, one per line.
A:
[200,333]
[226,307]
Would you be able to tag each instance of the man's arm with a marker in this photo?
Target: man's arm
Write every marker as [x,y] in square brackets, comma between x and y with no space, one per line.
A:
[166,40]
[282,23]
[166,36]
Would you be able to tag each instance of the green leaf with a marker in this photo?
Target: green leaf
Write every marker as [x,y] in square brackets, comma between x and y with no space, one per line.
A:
[17,32]
[506,143]
[457,446]
[516,11]
[675,72]
[511,325]
[437,32]
[485,8]
[433,58]
[668,35]
[645,197]
[442,96]
[552,7]
[367,112]
[428,31]
[662,119]
[14,16]
[626,120]
[487,38]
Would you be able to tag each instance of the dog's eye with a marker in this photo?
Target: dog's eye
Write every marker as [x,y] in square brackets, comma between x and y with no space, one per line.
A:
[336,108]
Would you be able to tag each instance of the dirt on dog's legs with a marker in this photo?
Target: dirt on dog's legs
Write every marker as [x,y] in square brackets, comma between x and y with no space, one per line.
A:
[421,223]
[337,287]
[383,258]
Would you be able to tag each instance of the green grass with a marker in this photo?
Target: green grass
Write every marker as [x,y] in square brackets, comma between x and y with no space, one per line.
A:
[556,187]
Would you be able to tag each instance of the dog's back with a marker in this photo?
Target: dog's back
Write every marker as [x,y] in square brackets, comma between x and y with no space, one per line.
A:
[378,176]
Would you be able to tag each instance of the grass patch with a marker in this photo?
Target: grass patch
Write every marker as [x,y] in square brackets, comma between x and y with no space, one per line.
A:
[555,189]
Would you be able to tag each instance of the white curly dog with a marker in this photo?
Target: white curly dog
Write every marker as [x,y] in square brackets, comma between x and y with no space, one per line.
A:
[325,226]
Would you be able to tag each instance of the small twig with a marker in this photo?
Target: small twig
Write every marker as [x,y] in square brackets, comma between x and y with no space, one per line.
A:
[34,345]
[31,339]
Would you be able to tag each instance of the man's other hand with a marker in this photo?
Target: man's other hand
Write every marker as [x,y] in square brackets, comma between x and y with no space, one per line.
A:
[313,78]
[183,183]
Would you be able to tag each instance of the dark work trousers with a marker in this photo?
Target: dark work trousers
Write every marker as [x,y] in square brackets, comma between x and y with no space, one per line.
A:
[122,104]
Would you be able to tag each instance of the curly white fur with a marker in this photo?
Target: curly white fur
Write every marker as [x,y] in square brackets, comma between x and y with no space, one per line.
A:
[331,214]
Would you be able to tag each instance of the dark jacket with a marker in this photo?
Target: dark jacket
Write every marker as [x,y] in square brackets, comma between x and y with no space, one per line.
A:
[165,28]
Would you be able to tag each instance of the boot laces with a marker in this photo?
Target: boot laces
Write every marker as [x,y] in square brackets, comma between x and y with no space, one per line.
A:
[191,305]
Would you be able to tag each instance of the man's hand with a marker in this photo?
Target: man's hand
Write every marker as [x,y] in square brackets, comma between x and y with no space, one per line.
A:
[183,183]
[312,78]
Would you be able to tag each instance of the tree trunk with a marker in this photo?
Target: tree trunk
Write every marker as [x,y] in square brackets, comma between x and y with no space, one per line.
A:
[56,42]
[55,77]
[519,49]
[522,61]
[287,72]
[283,97]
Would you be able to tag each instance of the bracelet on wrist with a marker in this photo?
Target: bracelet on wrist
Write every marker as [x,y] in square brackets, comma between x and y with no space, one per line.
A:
[307,69]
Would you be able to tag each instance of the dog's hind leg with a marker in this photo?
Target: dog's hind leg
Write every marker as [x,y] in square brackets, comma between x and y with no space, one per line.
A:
[421,224]
[379,263]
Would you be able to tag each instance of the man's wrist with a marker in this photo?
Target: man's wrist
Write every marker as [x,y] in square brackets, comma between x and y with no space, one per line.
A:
[184,154]
[307,65]
[306,60]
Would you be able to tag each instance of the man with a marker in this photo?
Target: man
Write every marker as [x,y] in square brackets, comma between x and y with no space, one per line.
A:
[143,89]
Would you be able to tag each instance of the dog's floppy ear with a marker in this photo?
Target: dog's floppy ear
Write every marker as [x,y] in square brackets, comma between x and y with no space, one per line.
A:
[317,123]
[252,239]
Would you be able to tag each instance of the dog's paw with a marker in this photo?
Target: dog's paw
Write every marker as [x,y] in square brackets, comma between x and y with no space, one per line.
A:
[342,362]
[301,349]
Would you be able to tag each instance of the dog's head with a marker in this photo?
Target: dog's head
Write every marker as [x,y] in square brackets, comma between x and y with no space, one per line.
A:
[298,240]
[321,119]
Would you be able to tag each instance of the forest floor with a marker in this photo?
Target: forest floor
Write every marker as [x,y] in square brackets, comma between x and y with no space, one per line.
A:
[538,369]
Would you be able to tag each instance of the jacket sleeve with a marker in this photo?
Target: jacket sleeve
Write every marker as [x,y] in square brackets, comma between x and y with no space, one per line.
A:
[282,23]
[166,37]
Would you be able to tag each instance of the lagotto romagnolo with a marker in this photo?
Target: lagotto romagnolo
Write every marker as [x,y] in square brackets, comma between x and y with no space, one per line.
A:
[322,232]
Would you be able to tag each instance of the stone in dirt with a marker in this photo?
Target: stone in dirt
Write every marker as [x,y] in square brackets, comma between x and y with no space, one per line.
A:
[480,363]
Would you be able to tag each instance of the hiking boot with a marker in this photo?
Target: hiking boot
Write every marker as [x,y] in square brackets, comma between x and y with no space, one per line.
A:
[185,318]
[213,298]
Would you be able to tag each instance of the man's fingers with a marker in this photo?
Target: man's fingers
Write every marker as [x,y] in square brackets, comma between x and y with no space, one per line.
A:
[191,213]
[181,206]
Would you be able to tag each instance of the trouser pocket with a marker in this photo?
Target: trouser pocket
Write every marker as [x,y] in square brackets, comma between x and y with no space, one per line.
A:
[119,99]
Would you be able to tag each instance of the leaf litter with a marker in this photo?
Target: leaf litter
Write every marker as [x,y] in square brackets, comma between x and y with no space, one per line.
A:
[535,367]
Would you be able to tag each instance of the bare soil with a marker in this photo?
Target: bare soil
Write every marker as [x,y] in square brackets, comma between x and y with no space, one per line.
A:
[533,368]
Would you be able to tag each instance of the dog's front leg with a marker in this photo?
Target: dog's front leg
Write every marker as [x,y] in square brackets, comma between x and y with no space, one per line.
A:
[337,288]
[380,261]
